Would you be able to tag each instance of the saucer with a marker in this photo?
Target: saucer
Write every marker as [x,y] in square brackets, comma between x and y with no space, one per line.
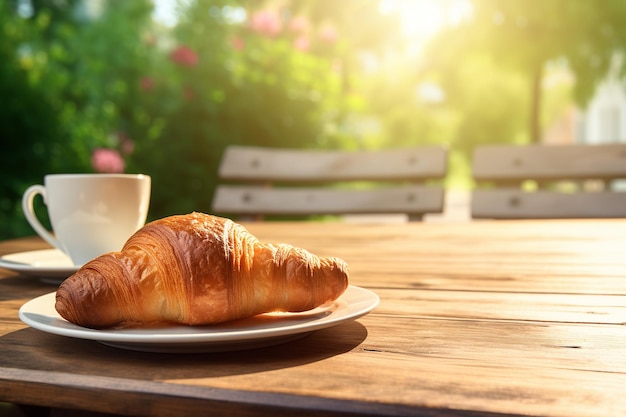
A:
[51,264]
[255,332]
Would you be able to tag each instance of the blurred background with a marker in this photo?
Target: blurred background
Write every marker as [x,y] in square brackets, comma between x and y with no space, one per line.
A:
[162,86]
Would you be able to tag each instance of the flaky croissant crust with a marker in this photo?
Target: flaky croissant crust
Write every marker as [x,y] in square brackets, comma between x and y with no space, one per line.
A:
[197,269]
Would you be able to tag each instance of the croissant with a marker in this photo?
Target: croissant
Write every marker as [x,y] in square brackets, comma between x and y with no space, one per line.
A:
[197,269]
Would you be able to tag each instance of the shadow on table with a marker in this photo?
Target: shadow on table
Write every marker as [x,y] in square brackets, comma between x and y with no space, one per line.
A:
[36,350]
[16,286]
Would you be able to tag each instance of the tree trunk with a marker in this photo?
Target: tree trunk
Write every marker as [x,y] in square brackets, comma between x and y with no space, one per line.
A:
[535,104]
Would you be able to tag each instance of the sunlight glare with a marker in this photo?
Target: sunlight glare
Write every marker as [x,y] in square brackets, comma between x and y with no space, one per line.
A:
[165,12]
[424,18]
[419,17]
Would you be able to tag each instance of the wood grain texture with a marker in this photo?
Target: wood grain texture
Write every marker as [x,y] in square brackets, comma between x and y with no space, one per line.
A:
[571,181]
[515,203]
[482,318]
[549,162]
[410,199]
[299,165]
[292,182]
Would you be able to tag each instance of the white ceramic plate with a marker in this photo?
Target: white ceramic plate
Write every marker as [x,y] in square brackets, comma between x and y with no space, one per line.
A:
[260,331]
[47,263]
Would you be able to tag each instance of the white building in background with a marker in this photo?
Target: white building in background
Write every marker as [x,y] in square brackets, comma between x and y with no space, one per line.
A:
[605,117]
[603,120]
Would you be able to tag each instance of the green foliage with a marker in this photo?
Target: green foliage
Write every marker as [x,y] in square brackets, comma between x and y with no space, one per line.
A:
[265,92]
[523,37]
[28,127]
[166,101]
[61,80]
[169,100]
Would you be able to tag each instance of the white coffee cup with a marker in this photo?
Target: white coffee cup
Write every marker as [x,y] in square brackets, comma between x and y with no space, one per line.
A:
[90,214]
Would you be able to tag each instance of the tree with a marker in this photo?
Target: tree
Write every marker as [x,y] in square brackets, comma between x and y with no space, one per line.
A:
[522,36]
[85,77]
[62,77]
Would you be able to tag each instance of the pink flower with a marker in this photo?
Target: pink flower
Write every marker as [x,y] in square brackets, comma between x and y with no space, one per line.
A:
[328,33]
[184,56]
[301,43]
[147,83]
[266,22]
[238,43]
[107,161]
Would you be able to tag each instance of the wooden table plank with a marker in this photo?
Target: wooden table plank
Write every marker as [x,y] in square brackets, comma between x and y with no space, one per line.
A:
[513,256]
[510,318]
[541,256]
[480,305]
[494,368]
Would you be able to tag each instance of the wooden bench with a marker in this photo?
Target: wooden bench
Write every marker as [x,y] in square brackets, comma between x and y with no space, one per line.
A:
[548,181]
[296,182]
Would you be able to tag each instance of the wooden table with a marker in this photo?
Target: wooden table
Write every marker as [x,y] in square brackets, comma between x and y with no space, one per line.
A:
[510,318]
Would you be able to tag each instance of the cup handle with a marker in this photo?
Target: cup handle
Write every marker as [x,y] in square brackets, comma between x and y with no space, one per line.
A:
[29,212]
